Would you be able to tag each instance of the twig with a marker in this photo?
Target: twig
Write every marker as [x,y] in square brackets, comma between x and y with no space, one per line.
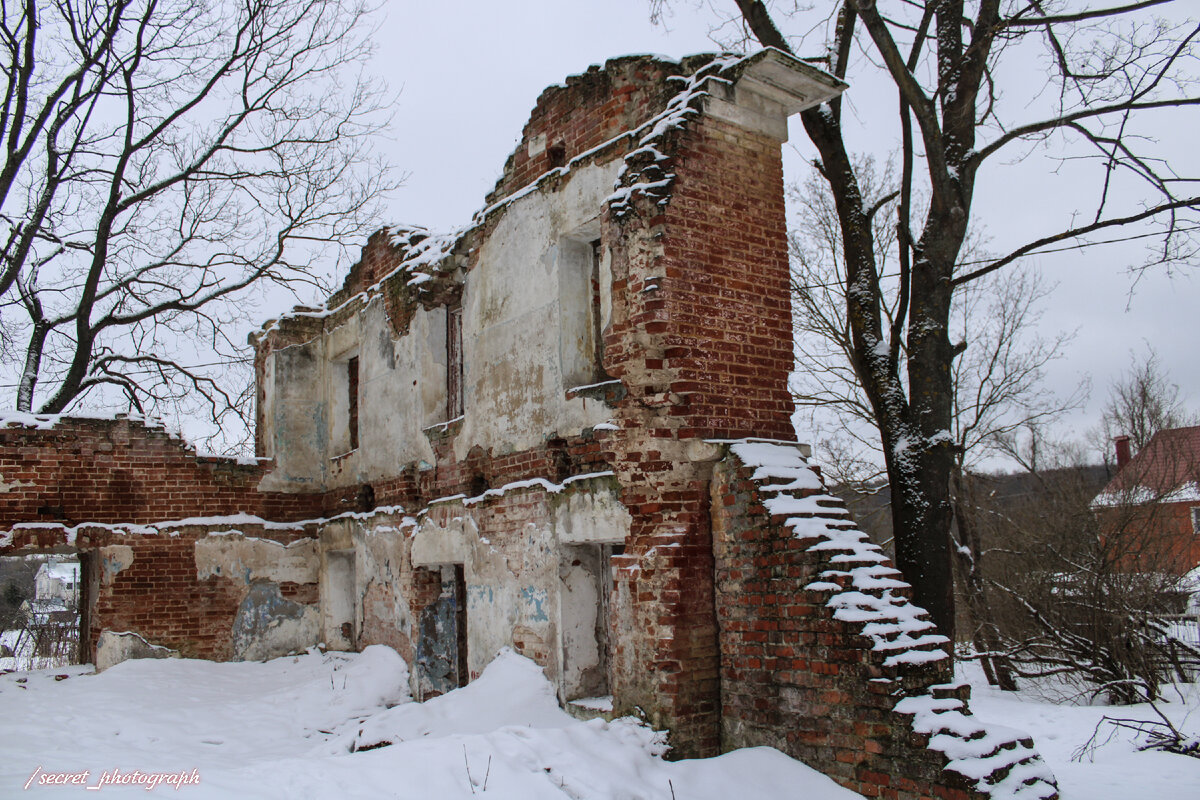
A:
[467,764]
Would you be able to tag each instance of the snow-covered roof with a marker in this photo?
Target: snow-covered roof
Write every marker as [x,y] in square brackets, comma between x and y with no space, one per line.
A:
[1166,470]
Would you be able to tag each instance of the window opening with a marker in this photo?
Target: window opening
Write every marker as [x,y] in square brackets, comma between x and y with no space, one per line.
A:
[352,404]
[597,315]
[454,362]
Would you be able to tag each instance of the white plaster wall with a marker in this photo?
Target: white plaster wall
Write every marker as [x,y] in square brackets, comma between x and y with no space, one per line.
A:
[298,427]
[338,600]
[402,390]
[512,595]
[526,339]
[514,308]
[382,613]
[580,607]
[249,559]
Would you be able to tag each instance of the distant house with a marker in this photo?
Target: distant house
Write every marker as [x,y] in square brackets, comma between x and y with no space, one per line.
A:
[57,580]
[1153,502]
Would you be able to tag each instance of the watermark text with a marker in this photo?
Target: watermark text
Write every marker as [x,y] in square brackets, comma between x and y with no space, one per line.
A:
[113,777]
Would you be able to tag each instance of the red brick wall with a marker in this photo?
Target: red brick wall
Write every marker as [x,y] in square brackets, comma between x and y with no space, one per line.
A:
[1155,537]
[554,460]
[120,471]
[159,596]
[727,328]
[797,678]
[701,339]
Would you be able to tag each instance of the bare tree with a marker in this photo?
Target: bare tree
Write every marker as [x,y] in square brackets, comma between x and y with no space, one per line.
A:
[997,380]
[1085,585]
[1141,404]
[163,158]
[1109,67]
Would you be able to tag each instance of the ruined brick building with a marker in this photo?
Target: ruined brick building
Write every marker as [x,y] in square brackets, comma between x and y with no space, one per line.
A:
[563,429]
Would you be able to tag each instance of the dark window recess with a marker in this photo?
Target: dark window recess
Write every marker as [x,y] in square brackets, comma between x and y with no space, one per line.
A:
[365,499]
[597,321]
[557,155]
[454,362]
[352,388]
[460,624]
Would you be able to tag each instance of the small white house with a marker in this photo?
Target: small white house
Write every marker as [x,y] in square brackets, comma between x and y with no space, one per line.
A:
[57,580]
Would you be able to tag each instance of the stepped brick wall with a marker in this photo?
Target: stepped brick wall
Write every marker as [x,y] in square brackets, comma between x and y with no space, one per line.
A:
[824,657]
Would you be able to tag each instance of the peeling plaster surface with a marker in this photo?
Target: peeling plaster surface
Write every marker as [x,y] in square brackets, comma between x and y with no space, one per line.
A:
[581,623]
[586,517]
[113,647]
[383,615]
[447,543]
[113,559]
[532,562]
[527,338]
[269,625]
[250,559]
[437,653]
[526,329]
[339,596]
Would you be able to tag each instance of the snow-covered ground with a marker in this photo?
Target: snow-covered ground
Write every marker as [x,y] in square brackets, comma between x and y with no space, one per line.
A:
[316,726]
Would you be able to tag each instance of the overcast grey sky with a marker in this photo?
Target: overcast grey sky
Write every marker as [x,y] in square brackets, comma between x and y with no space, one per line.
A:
[467,73]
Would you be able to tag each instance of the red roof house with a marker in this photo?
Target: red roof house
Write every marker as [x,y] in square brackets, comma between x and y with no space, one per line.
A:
[1153,501]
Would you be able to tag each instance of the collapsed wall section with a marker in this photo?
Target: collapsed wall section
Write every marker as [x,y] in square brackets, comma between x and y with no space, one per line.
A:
[824,657]
[220,582]
[236,588]
[72,470]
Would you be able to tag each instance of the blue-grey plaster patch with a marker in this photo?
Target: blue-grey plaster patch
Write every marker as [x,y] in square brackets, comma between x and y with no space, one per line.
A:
[535,604]
[437,644]
[480,595]
[263,608]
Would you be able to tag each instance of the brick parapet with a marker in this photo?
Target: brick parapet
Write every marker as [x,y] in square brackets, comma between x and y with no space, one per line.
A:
[589,110]
[119,471]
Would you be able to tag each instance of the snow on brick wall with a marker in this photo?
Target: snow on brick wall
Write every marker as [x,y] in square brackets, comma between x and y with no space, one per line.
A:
[76,470]
[105,487]
[824,657]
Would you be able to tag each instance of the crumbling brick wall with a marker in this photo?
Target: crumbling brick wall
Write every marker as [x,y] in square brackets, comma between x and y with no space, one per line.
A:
[95,486]
[701,340]
[150,583]
[824,657]
[72,470]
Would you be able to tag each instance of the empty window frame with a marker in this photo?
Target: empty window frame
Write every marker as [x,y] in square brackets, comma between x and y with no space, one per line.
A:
[352,401]
[342,396]
[454,361]
[583,292]
[595,312]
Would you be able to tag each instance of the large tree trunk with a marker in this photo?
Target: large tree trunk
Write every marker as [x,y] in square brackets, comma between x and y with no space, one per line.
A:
[984,634]
[914,425]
